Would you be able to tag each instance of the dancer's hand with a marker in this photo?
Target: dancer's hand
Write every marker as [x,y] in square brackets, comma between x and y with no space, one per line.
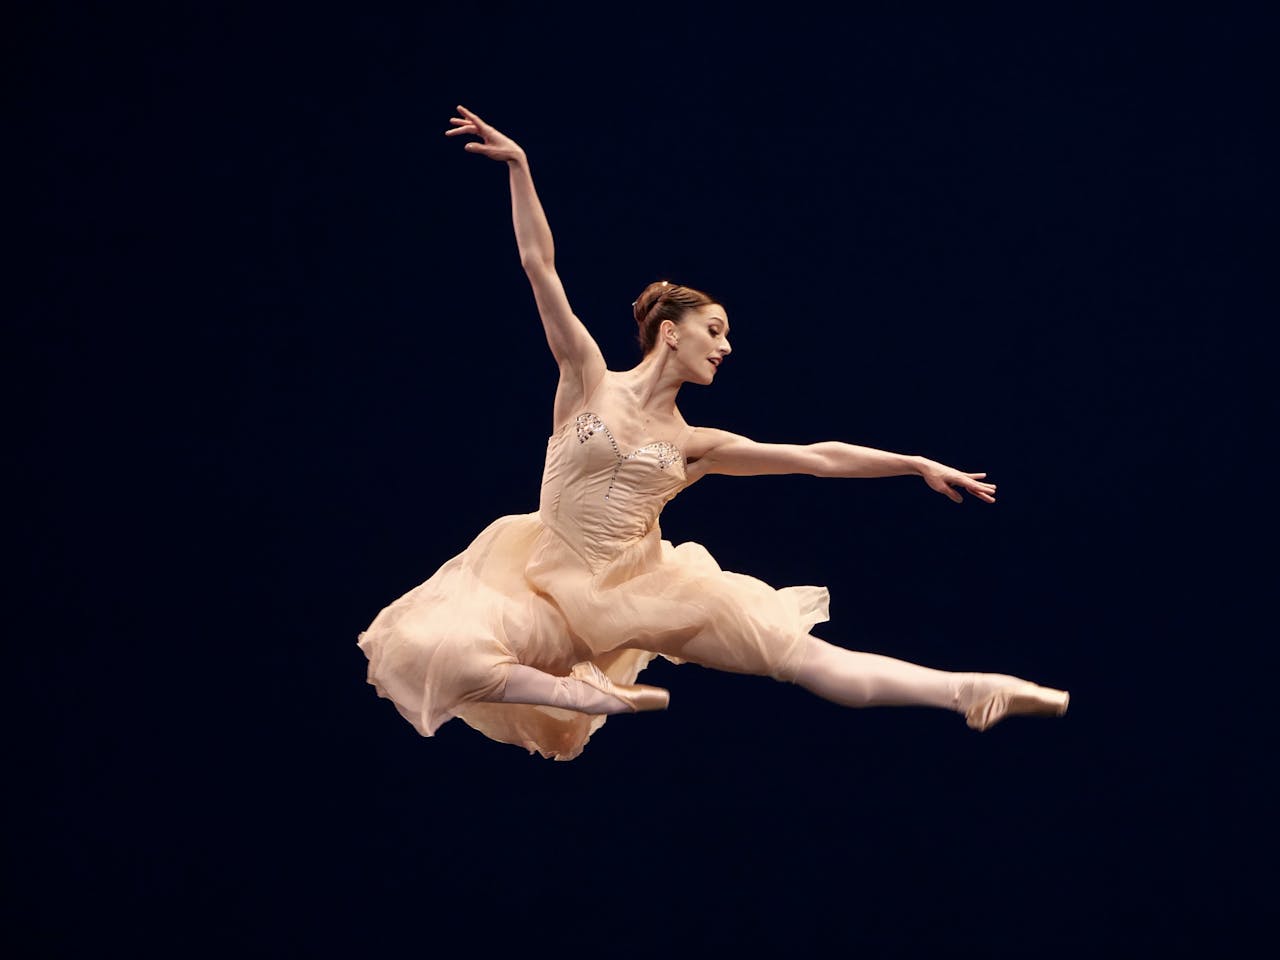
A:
[944,480]
[492,144]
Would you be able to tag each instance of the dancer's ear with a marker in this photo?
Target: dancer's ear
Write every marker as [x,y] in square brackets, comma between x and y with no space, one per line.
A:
[667,334]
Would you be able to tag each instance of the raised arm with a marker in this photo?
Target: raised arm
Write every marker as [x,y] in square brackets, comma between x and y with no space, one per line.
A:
[718,451]
[572,346]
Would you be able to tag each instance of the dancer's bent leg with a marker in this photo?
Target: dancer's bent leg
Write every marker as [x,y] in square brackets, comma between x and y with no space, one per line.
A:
[586,690]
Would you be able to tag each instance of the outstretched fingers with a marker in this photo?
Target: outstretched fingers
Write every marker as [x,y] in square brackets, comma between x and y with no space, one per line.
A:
[491,143]
[467,122]
[470,116]
[983,491]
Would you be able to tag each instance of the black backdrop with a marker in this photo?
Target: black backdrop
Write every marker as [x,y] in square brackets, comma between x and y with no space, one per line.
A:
[273,360]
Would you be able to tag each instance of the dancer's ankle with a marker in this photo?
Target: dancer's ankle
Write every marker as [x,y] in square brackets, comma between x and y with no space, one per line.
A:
[970,688]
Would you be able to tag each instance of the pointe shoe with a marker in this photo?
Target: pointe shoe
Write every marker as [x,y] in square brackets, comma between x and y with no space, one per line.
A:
[636,696]
[1025,699]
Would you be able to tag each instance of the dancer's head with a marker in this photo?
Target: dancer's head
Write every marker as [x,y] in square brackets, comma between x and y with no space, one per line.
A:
[686,322]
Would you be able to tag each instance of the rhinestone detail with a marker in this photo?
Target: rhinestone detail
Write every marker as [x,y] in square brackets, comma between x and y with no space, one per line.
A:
[589,424]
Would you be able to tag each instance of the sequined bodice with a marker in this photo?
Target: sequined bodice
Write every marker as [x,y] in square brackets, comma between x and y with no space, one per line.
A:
[601,498]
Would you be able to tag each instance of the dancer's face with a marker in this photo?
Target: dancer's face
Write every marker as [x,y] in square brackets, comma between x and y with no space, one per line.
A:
[702,342]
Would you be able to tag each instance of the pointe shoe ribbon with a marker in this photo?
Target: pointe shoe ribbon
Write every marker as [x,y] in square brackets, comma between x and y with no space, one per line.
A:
[636,696]
[1025,699]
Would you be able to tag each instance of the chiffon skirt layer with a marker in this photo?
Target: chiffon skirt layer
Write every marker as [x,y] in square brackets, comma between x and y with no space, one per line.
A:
[521,594]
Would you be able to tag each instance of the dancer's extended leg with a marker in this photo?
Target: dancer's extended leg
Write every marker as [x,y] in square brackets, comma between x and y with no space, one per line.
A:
[855,679]
[586,690]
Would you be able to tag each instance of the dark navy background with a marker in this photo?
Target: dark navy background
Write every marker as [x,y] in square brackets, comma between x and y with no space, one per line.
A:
[272,360]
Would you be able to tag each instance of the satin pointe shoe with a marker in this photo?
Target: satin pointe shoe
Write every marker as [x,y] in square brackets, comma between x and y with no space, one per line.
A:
[636,696]
[1024,699]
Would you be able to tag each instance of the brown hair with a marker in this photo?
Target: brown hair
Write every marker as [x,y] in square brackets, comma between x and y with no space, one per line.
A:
[662,301]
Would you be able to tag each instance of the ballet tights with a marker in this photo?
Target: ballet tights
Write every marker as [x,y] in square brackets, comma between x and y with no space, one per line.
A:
[528,685]
[847,677]
[855,679]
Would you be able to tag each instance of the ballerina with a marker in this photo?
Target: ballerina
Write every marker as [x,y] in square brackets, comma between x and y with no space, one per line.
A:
[537,631]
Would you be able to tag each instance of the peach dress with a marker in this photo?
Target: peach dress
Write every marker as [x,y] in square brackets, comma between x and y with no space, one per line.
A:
[586,577]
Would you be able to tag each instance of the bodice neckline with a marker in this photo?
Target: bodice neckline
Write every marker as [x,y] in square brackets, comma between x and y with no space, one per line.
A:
[588,422]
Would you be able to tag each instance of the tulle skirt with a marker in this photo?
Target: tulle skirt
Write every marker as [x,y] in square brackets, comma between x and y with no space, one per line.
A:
[521,594]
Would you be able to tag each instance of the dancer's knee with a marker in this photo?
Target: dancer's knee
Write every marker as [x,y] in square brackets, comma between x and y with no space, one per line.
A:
[482,679]
[813,657]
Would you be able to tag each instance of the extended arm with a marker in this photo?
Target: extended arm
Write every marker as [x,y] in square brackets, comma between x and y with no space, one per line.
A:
[718,451]
[571,345]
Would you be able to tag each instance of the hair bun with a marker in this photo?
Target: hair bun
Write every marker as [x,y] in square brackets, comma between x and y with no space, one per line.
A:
[649,298]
